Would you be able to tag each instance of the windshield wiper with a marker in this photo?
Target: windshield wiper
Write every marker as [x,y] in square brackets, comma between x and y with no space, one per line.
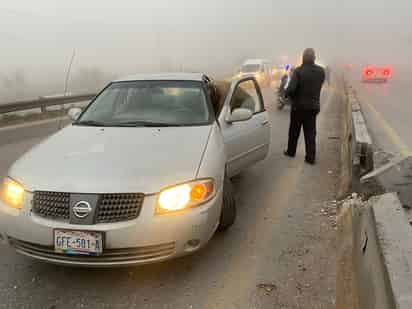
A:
[90,123]
[144,124]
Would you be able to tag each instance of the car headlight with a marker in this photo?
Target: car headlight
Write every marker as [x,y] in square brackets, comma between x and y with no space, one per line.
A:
[12,193]
[184,196]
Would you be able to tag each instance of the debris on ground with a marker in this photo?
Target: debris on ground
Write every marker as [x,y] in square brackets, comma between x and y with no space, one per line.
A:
[334,137]
[329,210]
[352,201]
[267,287]
[294,252]
[382,157]
[332,208]
[301,266]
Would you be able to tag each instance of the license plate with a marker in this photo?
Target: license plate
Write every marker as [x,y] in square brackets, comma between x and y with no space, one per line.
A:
[78,242]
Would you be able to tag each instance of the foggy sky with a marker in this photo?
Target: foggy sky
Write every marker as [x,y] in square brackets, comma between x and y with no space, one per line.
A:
[128,36]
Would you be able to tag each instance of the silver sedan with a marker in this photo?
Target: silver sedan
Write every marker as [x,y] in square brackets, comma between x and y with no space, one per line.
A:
[140,176]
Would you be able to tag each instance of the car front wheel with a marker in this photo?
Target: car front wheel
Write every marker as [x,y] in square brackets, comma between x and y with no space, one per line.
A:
[228,215]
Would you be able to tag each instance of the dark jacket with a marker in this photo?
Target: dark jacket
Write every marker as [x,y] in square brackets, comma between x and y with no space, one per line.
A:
[305,87]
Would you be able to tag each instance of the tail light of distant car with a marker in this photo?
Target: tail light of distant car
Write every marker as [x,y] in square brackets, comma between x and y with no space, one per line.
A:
[368,72]
[387,72]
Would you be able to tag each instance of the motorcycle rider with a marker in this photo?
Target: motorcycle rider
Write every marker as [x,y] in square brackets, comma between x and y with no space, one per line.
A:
[284,82]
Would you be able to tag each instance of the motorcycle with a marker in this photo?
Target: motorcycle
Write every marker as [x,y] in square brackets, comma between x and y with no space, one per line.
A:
[284,82]
[283,101]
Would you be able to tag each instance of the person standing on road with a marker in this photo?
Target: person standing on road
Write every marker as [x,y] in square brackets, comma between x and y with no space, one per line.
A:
[304,91]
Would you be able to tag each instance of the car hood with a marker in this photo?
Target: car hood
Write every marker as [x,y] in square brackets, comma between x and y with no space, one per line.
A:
[243,74]
[114,160]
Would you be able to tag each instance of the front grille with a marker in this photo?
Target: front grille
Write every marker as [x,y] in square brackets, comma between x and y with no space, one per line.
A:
[53,205]
[109,256]
[119,207]
[110,208]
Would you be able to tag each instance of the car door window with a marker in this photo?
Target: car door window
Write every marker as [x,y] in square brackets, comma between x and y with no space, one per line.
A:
[246,96]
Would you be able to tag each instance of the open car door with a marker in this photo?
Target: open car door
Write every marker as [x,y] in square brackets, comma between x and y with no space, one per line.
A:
[245,125]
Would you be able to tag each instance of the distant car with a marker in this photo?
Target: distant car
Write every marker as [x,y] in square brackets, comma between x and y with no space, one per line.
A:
[142,175]
[376,74]
[259,68]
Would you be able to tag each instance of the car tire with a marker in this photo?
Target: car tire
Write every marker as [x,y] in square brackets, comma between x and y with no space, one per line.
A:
[228,214]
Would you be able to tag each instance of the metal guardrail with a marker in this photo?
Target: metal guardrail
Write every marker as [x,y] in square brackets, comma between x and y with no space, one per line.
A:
[43,103]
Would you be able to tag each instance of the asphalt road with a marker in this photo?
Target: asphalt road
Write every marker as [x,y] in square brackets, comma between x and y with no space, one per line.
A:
[388,110]
[281,252]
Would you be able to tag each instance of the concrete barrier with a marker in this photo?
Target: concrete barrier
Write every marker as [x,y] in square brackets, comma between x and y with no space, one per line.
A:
[381,230]
[382,253]
[370,272]
[346,137]
[362,150]
[358,139]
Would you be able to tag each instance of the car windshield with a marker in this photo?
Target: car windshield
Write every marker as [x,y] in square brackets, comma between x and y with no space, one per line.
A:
[250,68]
[149,103]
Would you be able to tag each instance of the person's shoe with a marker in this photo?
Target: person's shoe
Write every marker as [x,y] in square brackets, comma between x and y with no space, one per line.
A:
[311,162]
[286,153]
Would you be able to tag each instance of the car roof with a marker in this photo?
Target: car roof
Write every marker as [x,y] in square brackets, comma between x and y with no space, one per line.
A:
[164,76]
[255,61]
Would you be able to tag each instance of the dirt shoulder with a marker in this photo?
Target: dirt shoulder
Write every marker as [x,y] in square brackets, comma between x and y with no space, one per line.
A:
[311,255]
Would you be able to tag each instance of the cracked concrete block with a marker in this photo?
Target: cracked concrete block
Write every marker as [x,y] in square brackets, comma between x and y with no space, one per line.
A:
[394,235]
[394,177]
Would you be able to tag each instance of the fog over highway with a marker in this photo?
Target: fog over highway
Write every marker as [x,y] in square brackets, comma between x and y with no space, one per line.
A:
[117,38]
[283,250]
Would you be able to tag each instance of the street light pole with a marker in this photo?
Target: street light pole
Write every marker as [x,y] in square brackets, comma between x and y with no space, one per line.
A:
[66,84]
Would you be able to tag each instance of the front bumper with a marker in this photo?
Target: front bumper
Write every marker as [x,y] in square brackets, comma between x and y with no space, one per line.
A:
[375,80]
[147,239]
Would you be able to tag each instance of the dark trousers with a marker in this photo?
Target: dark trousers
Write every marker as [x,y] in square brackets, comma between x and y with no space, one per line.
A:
[307,119]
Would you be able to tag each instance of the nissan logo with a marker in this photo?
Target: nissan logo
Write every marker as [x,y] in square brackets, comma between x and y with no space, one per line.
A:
[82,209]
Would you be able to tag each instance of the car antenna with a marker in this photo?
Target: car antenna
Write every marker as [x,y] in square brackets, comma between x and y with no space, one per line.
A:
[66,84]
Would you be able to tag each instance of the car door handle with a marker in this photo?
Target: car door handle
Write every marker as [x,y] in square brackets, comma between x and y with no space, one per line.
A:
[265,122]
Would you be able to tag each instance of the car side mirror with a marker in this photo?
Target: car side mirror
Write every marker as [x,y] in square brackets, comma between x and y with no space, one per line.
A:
[239,114]
[74,113]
